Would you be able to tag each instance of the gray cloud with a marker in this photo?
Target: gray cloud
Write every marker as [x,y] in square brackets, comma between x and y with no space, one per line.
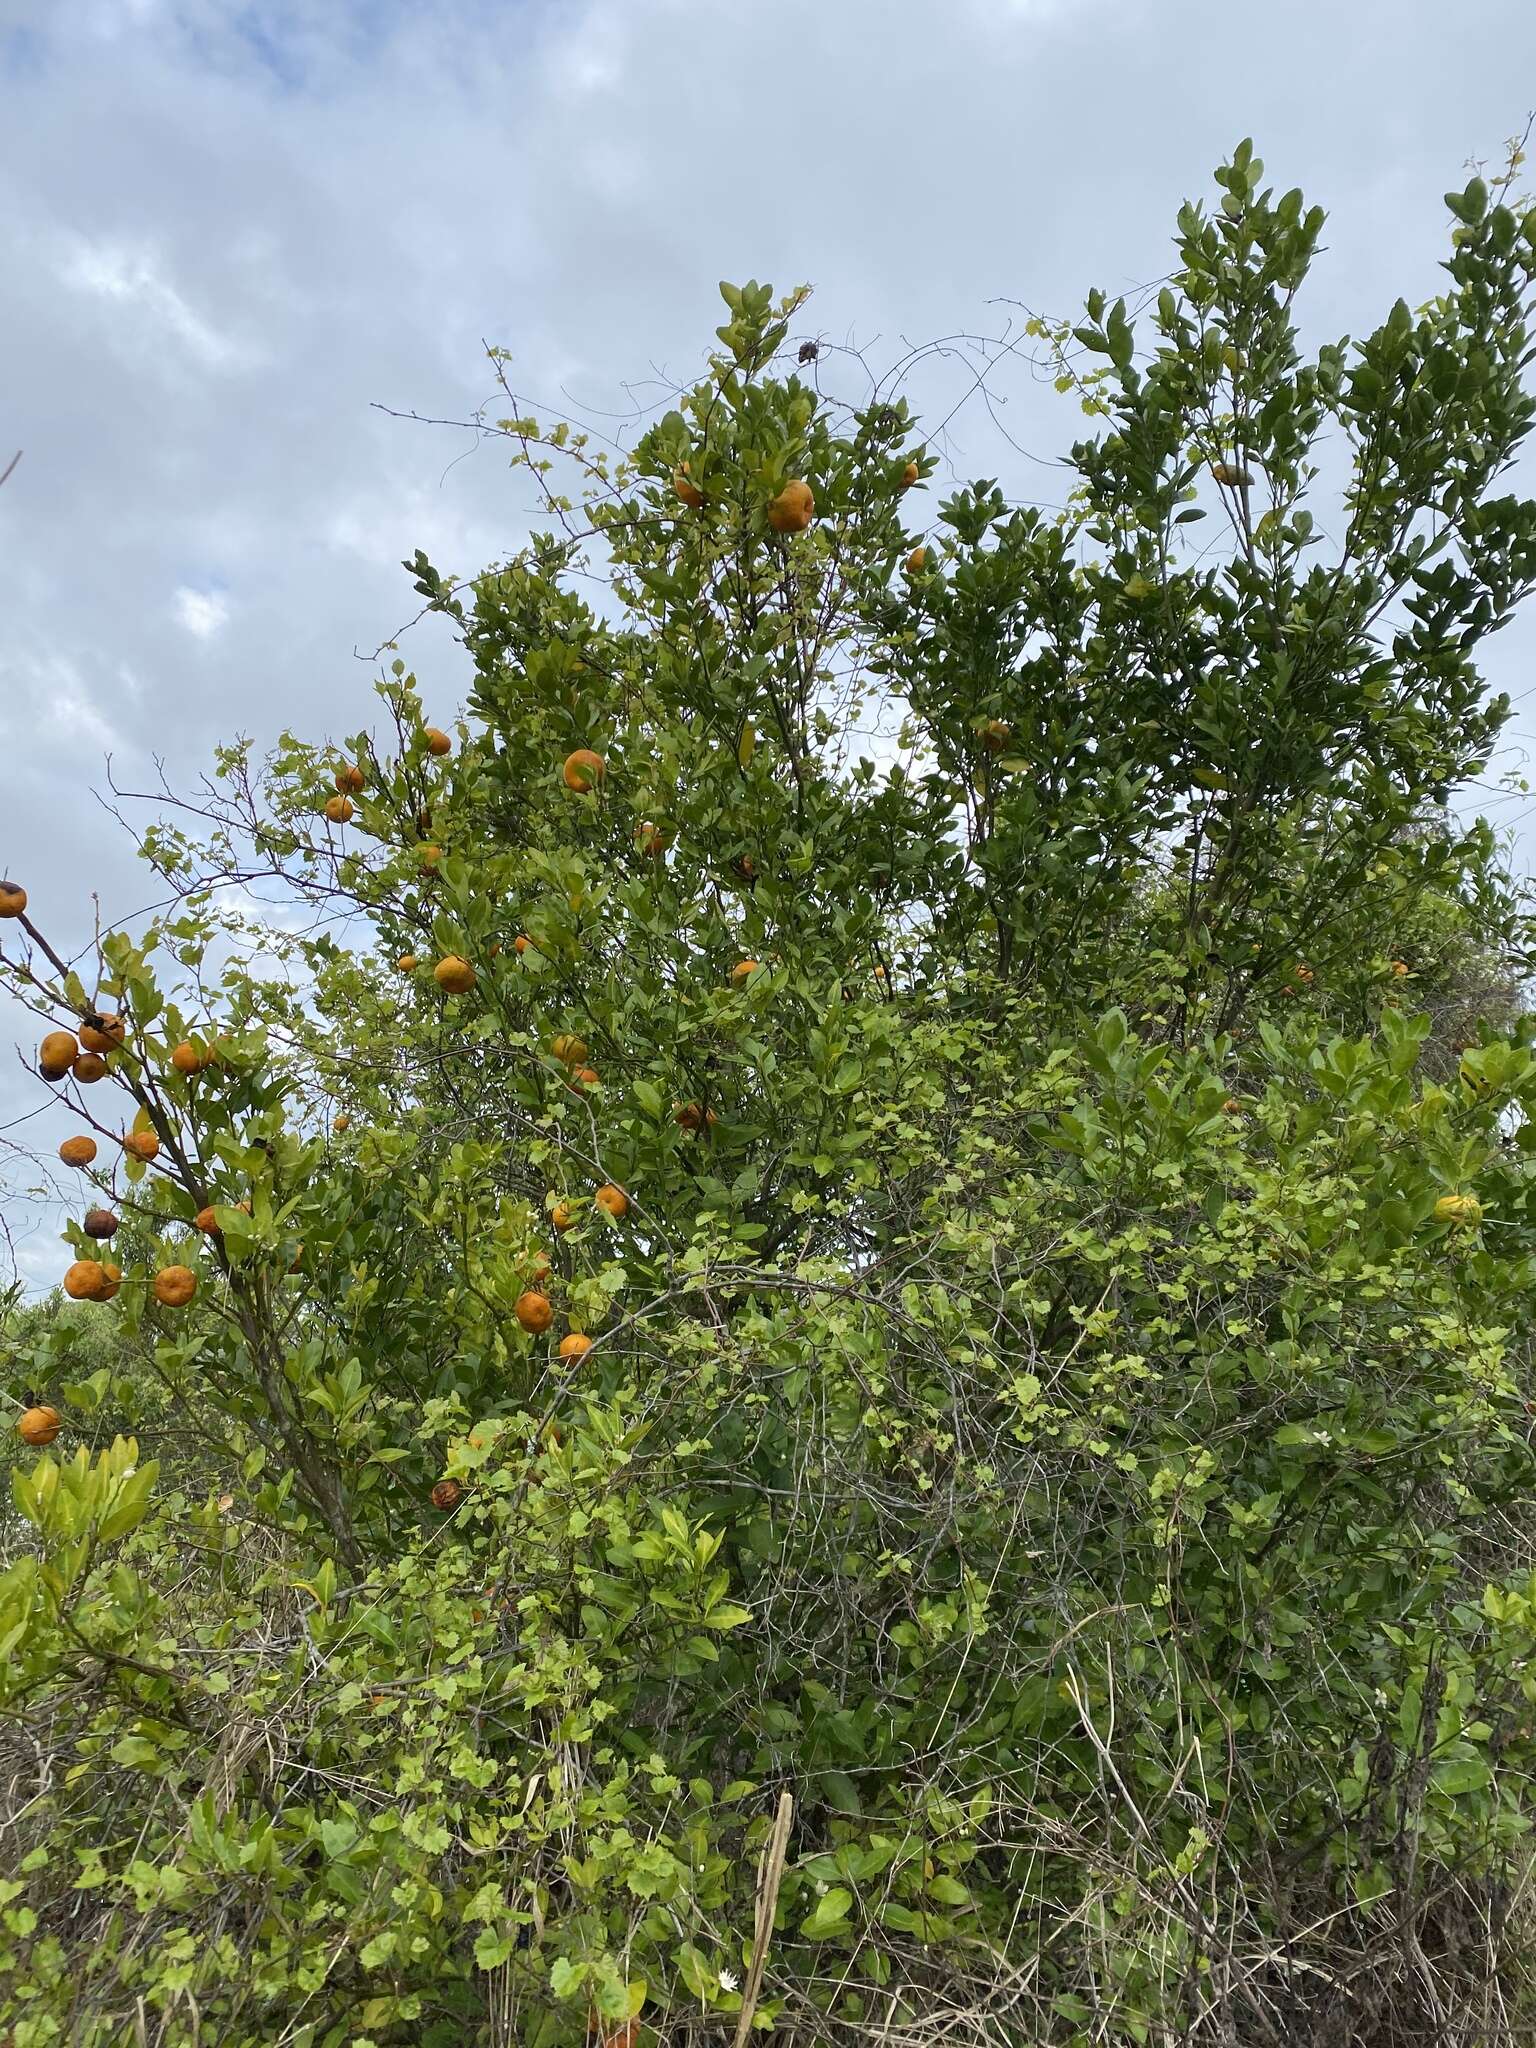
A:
[226,229]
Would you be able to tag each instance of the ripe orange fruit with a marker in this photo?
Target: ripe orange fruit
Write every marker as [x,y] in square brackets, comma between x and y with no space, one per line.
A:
[996,734]
[568,1050]
[78,1151]
[686,489]
[349,779]
[562,1216]
[1399,967]
[538,1270]
[407,963]
[56,1055]
[689,1116]
[341,1123]
[917,561]
[741,971]
[429,857]
[13,899]
[437,742]
[909,476]
[649,839]
[175,1286]
[141,1145]
[447,1494]
[114,1280]
[793,509]
[534,1311]
[338,809]
[86,1280]
[521,944]
[584,1077]
[612,1201]
[39,1426]
[102,1034]
[583,770]
[575,1345]
[89,1067]
[99,1223]
[206,1222]
[455,977]
[1232,1107]
[186,1058]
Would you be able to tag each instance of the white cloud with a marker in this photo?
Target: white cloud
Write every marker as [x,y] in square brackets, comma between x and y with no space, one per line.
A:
[202,612]
[130,278]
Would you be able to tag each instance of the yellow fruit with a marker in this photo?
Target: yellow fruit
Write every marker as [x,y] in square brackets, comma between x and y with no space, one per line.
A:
[562,1216]
[909,476]
[89,1067]
[102,1034]
[1232,475]
[13,901]
[407,963]
[583,770]
[341,1123]
[56,1055]
[684,488]
[338,809]
[186,1058]
[741,971]
[454,976]
[78,1151]
[575,1345]
[917,561]
[429,856]
[649,840]
[141,1145]
[1399,968]
[793,509]
[437,742]
[995,735]
[534,1311]
[568,1050]
[349,779]
[86,1280]
[1462,1211]
[612,1201]
[39,1426]
[175,1286]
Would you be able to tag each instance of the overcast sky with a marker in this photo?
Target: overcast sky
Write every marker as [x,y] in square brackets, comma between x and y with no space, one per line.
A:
[226,228]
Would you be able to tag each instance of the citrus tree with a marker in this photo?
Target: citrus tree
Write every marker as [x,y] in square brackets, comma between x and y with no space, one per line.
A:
[857,1387]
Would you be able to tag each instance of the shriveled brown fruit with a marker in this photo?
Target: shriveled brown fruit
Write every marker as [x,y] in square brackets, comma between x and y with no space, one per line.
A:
[13,899]
[793,509]
[99,1223]
[447,1494]
[175,1286]
[39,1426]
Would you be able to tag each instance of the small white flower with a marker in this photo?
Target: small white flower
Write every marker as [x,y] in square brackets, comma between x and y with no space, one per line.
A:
[728,1980]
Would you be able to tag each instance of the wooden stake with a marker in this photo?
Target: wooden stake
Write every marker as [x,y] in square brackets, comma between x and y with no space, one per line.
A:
[767,1905]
